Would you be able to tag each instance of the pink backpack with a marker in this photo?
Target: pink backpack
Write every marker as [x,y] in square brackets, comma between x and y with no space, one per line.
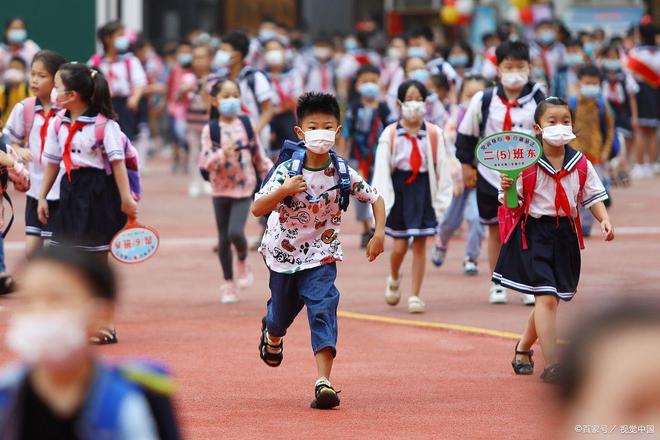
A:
[97,58]
[509,217]
[131,157]
[433,134]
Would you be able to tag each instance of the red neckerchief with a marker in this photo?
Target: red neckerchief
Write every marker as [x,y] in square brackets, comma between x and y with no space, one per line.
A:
[415,158]
[66,156]
[44,129]
[508,125]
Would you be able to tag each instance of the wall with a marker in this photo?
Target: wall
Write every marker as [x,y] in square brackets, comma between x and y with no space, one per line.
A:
[70,30]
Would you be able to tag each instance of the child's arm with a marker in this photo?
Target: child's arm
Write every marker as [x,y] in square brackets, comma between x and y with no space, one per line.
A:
[50,175]
[268,202]
[259,159]
[376,244]
[210,159]
[18,173]
[128,204]
[600,213]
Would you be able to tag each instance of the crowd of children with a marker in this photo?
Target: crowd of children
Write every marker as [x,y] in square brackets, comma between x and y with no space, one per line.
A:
[264,124]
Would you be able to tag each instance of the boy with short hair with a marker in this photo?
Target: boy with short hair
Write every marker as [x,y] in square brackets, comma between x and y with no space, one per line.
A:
[256,88]
[510,105]
[365,119]
[301,244]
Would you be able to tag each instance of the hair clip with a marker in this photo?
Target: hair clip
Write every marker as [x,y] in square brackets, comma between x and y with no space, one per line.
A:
[93,73]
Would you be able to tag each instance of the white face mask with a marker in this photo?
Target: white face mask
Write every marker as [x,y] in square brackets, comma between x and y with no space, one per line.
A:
[558,135]
[413,110]
[515,80]
[14,76]
[52,337]
[222,58]
[320,141]
[274,57]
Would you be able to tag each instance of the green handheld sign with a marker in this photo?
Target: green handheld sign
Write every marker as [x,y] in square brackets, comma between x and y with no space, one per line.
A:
[509,152]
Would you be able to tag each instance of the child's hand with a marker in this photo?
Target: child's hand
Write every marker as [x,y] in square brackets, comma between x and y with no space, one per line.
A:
[6,160]
[469,176]
[24,154]
[375,246]
[42,211]
[505,182]
[294,185]
[230,149]
[129,207]
[607,230]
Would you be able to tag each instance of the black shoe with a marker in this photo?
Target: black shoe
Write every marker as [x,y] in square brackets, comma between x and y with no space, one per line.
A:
[269,358]
[523,368]
[326,397]
[366,237]
[551,374]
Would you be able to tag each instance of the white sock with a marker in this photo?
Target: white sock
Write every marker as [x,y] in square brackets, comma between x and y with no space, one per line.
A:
[322,381]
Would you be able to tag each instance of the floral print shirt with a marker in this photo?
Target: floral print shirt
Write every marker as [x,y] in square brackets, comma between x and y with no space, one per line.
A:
[303,231]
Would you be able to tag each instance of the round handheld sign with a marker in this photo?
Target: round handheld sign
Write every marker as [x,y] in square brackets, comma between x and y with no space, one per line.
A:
[509,152]
[135,243]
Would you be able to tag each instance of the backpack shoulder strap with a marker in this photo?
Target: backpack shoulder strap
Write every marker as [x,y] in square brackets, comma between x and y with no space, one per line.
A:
[529,184]
[297,162]
[96,60]
[602,114]
[434,139]
[392,133]
[572,102]
[247,124]
[485,109]
[344,176]
[29,105]
[99,128]
[214,132]
[538,96]
[583,169]
[127,64]
[59,118]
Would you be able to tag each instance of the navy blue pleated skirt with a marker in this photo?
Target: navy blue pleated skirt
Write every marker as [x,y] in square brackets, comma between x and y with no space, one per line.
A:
[412,214]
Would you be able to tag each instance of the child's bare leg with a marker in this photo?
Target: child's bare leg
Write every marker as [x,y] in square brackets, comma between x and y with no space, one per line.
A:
[419,264]
[494,245]
[652,144]
[396,258]
[366,226]
[324,361]
[32,245]
[545,320]
[528,338]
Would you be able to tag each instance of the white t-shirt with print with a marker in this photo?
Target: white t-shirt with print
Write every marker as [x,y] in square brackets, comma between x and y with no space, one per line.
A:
[304,233]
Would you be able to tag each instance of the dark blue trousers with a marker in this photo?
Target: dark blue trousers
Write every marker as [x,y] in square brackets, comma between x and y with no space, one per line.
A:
[313,288]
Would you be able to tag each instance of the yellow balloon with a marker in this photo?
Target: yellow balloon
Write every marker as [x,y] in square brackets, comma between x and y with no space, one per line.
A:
[520,4]
[449,15]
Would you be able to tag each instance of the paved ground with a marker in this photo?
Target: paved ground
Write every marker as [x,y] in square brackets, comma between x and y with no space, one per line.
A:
[400,379]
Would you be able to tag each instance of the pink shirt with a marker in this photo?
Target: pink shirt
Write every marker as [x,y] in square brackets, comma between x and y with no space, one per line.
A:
[233,175]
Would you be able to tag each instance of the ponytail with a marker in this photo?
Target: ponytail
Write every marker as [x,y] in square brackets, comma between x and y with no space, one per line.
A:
[91,85]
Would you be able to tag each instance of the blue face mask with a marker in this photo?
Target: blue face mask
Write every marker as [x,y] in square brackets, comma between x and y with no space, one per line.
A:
[369,90]
[574,59]
[588,48]
[122,43]
[420,75]
[229,107]
[185,59]
[350,44]
[459,60]
[417,52]
[612,65]
[590,91]
[16,36]
[546,37]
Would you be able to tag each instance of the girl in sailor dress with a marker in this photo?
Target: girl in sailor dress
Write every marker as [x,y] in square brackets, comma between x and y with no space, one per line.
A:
[412,173]
[541,255]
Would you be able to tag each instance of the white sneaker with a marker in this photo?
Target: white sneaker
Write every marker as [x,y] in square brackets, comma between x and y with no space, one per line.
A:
[393,291]
[470,267]
[497,295]
[194,190]
[528,300]
[649,172]
[656,168]
[207,188]
[416,305]
[228,293]
[245,276]
[637,172]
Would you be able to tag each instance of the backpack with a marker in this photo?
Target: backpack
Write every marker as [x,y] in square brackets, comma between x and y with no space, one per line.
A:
[214,131]
[249,74]
[616,143]
[509,217]
[433,134]
[295,152]
[4,183]
[131,155]
[97,58]
[485,106]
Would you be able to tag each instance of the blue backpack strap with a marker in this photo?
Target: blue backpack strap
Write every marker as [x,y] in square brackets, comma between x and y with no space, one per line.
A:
[247,124]
[572,103]
[297,162]
[214,131]
[344,180]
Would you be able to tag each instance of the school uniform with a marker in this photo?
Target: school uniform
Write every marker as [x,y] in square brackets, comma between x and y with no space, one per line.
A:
[617,94]
[644,63]
[90,214]
[551,263]
[35,140]
[301,247]
[253,97]
[415,186]
[320,77]
[287,85]
[520,118]
[27,50]
[123,75]
[553,57]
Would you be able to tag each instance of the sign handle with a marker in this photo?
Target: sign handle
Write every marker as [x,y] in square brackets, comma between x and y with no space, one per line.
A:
[511,194]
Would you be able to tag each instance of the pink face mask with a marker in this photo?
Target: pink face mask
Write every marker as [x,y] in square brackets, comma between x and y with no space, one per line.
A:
[60,98]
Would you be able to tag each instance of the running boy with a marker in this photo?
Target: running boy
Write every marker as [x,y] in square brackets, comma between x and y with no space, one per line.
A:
[508,106]
[301,244]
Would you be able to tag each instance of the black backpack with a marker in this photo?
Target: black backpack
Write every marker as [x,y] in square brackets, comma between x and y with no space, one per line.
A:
[485,106]
[4,182]
[214,131]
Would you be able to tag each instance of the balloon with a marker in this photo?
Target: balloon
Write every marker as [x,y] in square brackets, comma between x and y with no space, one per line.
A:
[449,15]
[520,4]
[527,15]
[463,20]
[465,7]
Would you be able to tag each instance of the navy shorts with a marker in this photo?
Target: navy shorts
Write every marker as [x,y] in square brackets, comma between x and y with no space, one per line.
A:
[313,288]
